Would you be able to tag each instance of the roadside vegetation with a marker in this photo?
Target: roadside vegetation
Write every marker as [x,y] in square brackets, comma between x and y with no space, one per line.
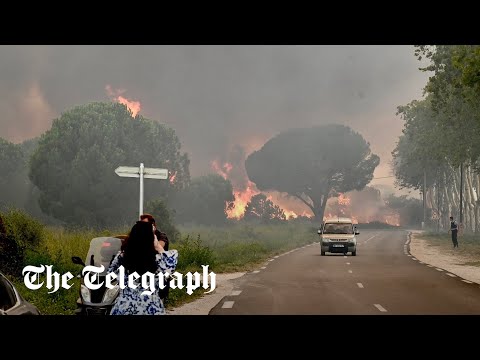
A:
[231,248]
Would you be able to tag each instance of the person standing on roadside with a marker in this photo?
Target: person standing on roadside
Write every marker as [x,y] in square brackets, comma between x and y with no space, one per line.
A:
[454,231]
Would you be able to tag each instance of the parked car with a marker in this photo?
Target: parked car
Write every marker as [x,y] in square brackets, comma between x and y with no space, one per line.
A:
[338,235]
[11,302]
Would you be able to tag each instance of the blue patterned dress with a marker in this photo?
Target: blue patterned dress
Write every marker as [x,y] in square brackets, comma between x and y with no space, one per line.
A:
[131,301]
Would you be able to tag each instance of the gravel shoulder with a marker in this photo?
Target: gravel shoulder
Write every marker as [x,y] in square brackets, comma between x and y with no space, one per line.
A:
[464,264]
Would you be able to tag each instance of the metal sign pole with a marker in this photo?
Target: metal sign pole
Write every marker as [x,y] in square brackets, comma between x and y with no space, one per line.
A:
[141,190]
[142,173]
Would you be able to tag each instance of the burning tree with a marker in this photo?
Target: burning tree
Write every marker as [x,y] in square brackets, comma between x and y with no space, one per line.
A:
[313,164]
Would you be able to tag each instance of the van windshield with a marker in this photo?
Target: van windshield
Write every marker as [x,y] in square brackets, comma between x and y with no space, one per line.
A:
[338,228]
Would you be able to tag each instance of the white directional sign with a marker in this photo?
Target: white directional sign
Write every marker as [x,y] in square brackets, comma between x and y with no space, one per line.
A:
[141,172]
[148,173]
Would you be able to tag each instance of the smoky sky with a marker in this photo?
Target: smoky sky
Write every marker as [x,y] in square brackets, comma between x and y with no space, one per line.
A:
[217,97]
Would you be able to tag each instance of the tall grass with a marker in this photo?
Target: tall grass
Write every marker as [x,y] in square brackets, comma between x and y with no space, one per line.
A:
[242,246]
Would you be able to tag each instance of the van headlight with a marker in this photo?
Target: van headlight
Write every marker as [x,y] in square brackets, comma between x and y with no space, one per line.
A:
[111,294]
[85,292]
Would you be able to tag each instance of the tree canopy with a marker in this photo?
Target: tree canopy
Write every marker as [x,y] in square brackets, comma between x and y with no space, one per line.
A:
[73,165]
[313,164]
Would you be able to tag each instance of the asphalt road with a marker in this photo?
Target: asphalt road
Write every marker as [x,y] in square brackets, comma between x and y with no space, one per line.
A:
[382,279]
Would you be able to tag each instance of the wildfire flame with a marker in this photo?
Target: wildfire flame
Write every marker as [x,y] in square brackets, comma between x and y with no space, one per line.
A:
[343,200]
[172,177]
[327,216]
[393,219]
[132,105]
[290,214]
[222,170]
[242,198]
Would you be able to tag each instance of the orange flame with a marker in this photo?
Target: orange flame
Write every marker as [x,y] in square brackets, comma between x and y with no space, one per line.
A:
[244,194]
[327,216]
[241,201]
[222,170]
[242,198]
[290,214]
[343,200]
[132,105]
[172,177]
[393,219]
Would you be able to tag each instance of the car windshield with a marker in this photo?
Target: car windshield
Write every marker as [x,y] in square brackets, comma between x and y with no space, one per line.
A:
[338,228]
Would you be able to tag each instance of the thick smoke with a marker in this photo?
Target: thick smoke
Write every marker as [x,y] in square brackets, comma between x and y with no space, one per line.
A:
[216,97]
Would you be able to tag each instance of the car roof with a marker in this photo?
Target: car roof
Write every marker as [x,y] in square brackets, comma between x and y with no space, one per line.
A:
[338,219]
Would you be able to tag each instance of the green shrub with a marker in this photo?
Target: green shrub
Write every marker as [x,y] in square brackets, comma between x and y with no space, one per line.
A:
[193,254]
[20,232]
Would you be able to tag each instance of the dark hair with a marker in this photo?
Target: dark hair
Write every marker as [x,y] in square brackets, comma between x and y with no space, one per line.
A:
[139,251]
[161,235]
[149,217]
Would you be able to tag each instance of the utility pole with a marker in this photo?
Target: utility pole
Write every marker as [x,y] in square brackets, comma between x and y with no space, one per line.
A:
[438,205]
[424,198]
[461,195]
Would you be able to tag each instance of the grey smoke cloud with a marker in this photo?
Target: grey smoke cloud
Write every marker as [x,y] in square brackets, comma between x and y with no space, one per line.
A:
[216,97]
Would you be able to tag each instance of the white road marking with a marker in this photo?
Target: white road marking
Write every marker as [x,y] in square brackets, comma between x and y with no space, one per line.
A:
[414,258]
[451,275]
[466,281]
[438,269]
[380,307]
[348,263]
[421,262]
[271,259]
[409,255]
[345,256]
[350,271]
[370,238]
[263,267]
[275,257]
[236,292]
[228,304]
[256,271]
[430,265]
[360,285]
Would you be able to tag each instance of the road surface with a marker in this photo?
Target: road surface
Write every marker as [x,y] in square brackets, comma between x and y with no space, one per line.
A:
[382,279]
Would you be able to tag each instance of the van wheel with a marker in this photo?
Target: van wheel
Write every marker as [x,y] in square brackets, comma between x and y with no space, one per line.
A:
[322,253]
[354,253]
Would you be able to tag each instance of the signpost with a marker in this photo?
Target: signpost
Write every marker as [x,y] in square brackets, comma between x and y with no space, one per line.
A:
[142,173]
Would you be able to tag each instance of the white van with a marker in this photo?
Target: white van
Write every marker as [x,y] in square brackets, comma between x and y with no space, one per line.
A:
[338,235]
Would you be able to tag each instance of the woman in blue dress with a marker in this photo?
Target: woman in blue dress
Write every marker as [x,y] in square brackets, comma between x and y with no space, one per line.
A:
[142,253]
